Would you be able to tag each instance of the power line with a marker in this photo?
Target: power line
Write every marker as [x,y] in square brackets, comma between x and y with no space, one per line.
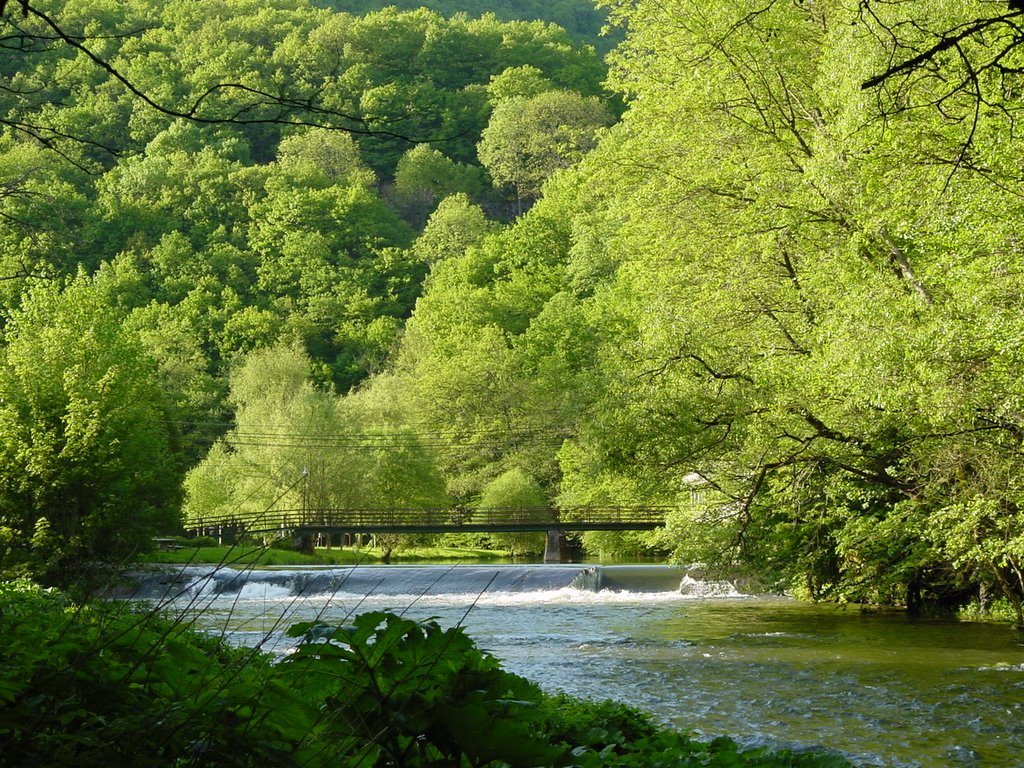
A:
[287,427]
[398,440]
[390,434]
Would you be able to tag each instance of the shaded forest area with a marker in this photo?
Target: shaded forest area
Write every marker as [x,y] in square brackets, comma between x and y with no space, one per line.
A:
[584,23]
[762,264]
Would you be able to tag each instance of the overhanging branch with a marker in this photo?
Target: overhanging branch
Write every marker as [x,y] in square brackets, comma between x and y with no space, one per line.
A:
[944,44]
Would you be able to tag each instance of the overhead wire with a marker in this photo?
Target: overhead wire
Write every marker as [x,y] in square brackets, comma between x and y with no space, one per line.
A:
[442,439]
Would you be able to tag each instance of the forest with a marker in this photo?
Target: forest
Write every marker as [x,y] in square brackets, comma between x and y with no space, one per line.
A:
[760,263]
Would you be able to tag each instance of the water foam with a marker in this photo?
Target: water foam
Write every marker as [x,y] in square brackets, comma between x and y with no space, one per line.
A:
[704,589]
[489,585]
[562,596]
[262,591]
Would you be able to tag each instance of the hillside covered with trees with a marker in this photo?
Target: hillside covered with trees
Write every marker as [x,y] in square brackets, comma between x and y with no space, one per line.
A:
[764,268]
[580,18]
[189,186]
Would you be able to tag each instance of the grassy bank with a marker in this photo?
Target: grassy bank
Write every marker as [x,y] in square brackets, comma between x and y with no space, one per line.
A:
[245,554]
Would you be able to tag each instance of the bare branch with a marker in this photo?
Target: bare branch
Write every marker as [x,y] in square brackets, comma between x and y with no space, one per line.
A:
[944,44]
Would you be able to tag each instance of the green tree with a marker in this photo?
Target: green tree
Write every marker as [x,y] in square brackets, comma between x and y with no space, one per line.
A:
[333,264]
[515,493]
[170,189]
[468,359]
[424,176]
[523,82]
[297,449]
[42,207]
[454,226]
[529,138]
[401,470]
[278,455]
[334,154]
[89,469]
[777,300]
[786,323]
[403,473]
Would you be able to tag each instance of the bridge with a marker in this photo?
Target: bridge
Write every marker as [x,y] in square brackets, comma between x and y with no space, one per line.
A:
[305,523]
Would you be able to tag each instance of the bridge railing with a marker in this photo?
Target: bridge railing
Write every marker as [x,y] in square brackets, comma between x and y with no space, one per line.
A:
[439,519]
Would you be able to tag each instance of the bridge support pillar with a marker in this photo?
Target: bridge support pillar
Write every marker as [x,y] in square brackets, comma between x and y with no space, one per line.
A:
[304,544]
[556,548]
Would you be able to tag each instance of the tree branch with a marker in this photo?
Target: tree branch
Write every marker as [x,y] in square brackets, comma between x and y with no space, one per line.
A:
[944,44]
[902,263]
[23,3]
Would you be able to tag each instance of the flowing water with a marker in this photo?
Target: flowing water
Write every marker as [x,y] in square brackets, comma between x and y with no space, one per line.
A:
[882,688]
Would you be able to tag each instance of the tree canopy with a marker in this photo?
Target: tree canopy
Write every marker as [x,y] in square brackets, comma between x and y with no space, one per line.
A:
[778,300]
[213,174]
[89,468]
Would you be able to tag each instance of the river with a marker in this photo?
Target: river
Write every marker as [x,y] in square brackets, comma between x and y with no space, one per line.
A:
[882,688]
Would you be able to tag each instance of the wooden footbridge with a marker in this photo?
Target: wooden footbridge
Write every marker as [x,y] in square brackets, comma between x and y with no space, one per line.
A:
[299,523]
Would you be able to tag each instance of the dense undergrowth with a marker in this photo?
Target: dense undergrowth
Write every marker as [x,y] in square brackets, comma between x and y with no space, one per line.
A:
[105,685]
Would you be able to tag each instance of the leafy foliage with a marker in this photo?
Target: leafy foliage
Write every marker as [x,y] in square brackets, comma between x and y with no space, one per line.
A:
[168,695]
[418,695]
[88,468]
[517,491]
[579,17]
[529,138]
[298,448]
[424,176]
[247,177]
[200,211]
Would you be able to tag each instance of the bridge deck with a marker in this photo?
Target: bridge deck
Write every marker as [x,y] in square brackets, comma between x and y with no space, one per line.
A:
[491,520]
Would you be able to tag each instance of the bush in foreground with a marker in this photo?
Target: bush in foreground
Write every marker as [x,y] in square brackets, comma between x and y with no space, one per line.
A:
[102,685]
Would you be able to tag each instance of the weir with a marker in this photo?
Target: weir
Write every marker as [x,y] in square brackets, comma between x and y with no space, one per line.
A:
[412,580]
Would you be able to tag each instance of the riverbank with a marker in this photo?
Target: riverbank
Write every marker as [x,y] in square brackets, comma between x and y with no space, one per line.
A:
[256,555]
